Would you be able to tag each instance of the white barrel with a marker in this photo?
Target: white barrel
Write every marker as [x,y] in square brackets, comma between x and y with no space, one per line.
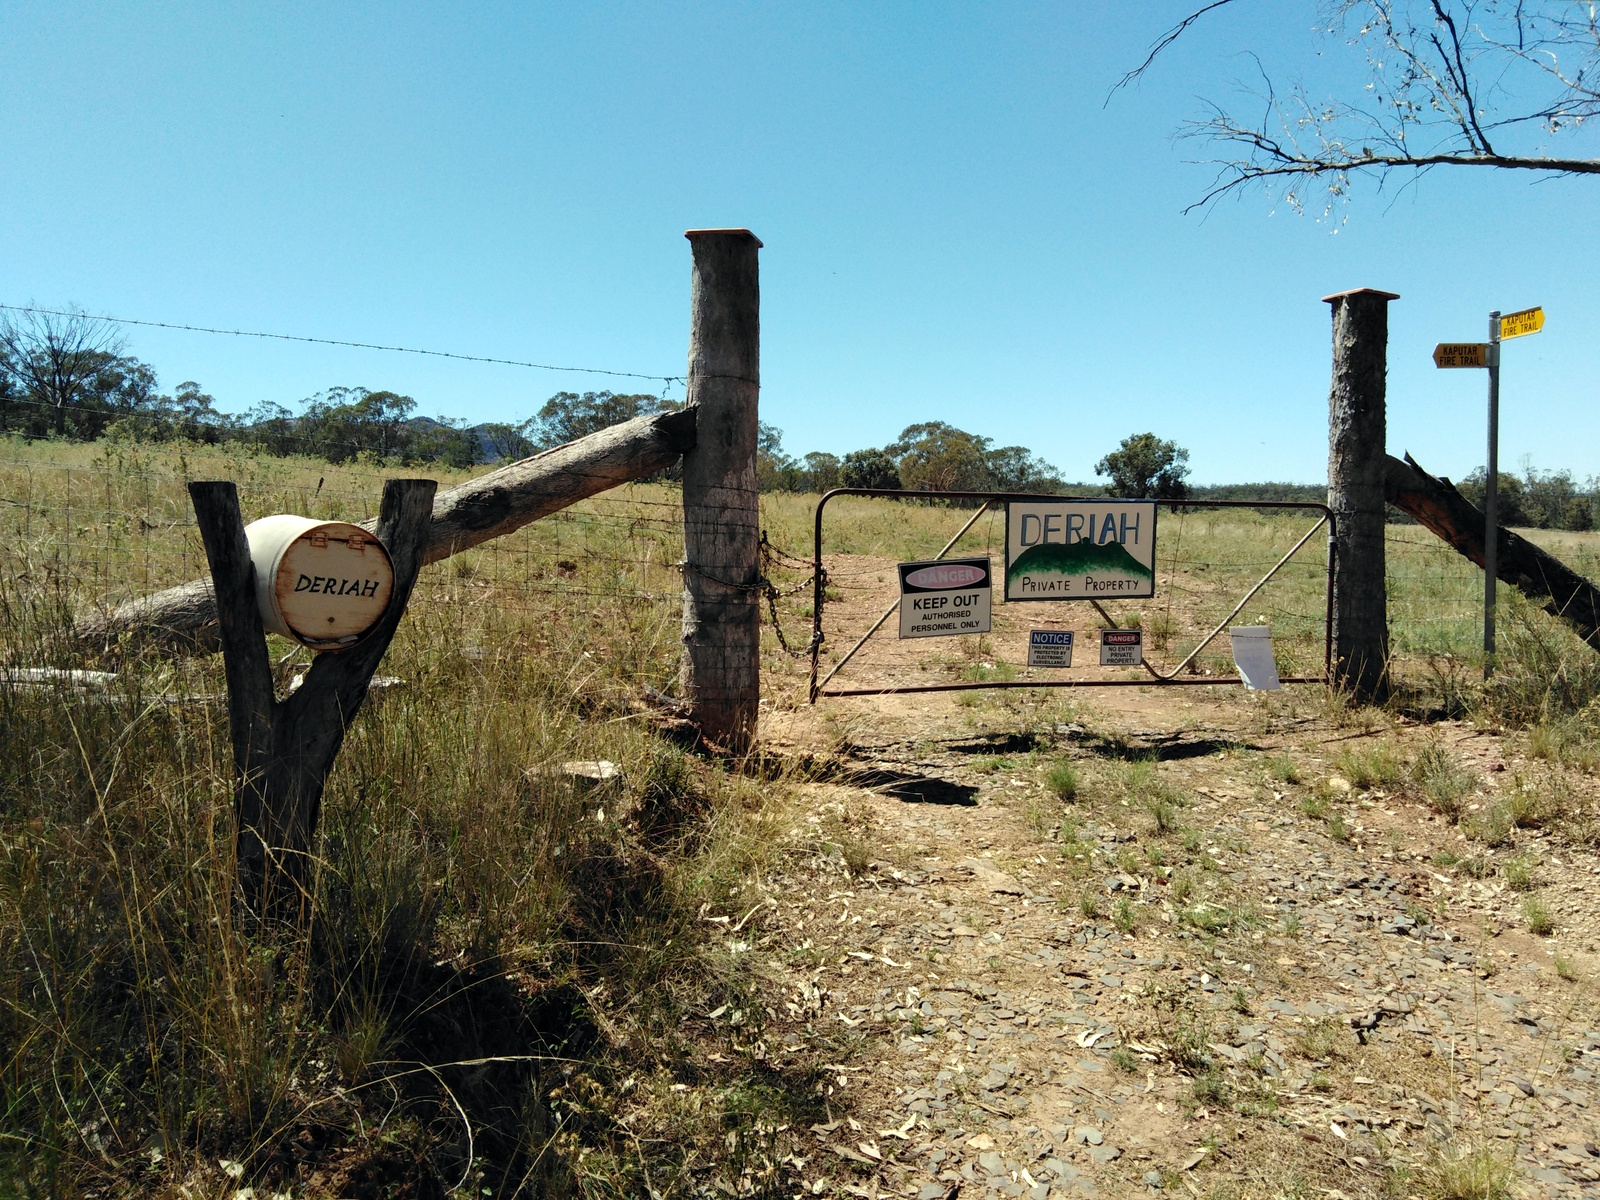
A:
[325,584]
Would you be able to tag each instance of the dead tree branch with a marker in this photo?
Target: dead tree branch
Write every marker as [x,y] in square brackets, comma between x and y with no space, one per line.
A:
[1451,83]
[1438,506]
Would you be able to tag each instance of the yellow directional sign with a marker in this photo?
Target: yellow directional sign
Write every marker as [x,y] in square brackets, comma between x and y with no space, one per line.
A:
[1461,354]
[1517,324]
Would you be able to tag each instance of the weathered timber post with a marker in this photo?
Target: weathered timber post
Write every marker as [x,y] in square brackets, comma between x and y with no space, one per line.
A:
[1356,468]
[283,750]
[720,674]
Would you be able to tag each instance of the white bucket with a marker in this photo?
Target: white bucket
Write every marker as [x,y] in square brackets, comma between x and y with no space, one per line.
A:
[325,584]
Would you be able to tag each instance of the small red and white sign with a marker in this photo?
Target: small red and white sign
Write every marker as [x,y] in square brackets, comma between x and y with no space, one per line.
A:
[945,598]
[1121,647]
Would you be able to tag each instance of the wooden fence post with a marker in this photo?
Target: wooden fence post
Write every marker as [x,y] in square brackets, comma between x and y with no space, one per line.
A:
[1356,469]
[720,674]
[283,750]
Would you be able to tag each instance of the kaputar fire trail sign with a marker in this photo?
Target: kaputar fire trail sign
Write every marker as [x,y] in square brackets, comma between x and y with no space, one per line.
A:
[945,598]
[1520,324]
[1461,354]
[1080,549]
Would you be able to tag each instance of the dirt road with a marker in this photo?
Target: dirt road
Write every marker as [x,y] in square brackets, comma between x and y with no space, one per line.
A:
[1222,967]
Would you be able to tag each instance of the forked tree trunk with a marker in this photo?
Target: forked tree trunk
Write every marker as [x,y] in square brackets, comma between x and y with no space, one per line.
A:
[284,750]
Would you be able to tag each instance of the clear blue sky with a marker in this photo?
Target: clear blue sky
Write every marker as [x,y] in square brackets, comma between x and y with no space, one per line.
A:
[957,227]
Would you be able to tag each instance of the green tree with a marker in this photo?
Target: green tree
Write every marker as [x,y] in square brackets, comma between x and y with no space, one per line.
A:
[1018,469]
[776,471]
[567,416]
[504,442]
[937,457]
[822,471]
[1144,467]
[187,415]
[345,422]
[1510,497]
[869,469]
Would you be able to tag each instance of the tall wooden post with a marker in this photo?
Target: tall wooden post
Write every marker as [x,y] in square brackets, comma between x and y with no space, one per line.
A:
[1356,468]
[720,673]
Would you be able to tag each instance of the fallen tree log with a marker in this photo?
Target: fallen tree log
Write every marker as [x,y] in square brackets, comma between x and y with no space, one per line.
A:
[1437,505]
[183,619]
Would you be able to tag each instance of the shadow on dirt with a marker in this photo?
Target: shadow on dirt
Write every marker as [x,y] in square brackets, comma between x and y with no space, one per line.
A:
[910,787]
[1135,747]
[999,743]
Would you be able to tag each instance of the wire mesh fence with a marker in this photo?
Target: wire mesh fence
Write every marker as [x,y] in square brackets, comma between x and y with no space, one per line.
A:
[599,584]
[599,579]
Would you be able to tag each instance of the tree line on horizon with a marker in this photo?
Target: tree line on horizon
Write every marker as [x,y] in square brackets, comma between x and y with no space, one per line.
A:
[69,377]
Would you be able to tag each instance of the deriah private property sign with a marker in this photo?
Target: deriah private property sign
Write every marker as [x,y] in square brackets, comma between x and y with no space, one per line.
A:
[945,598]
[1080,549]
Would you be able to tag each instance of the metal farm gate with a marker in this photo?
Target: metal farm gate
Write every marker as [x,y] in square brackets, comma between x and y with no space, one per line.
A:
[1202,576]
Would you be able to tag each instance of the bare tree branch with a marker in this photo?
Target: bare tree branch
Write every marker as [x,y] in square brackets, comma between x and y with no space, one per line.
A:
[1459,83]
[1162,43]
[55,355]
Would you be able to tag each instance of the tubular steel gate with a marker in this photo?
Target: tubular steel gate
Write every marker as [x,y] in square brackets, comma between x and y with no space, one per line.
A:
[987,503]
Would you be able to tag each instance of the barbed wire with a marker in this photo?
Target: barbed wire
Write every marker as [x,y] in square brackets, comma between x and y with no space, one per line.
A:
[320,341]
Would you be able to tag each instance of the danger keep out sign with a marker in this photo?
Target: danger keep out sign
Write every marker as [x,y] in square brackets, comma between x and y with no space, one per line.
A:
[945,598]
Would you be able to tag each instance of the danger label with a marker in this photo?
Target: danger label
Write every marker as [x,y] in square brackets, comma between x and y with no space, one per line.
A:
[945,598]
[1121,648]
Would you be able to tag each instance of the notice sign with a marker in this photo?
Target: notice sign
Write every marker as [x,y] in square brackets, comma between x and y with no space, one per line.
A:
[1080,549]
[1050,647]
[945,598]
[1121,647]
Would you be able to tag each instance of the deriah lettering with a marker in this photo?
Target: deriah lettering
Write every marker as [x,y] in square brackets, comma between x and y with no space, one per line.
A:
[329,585]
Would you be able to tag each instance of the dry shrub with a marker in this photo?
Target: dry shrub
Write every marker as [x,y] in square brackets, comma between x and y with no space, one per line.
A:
[1380,765]
[1464,1170]
[1544,671]
[1540,804]
[1444,782]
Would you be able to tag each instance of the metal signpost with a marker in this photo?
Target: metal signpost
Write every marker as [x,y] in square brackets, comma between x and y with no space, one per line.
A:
[1487,355]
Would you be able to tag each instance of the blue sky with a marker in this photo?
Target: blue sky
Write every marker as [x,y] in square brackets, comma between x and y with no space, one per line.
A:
[957,226]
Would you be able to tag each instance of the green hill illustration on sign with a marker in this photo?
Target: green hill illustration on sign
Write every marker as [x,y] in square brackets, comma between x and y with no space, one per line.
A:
[1107,569]
[1080,549]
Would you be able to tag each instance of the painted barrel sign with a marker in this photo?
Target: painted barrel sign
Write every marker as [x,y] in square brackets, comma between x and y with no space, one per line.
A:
[325,584]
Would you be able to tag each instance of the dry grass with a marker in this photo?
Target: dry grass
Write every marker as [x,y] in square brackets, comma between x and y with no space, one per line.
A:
[470,903]
[499,966]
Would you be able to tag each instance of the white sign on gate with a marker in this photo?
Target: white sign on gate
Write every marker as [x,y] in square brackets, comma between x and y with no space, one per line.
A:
[1080,549]
[1252,654]
[945,598]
